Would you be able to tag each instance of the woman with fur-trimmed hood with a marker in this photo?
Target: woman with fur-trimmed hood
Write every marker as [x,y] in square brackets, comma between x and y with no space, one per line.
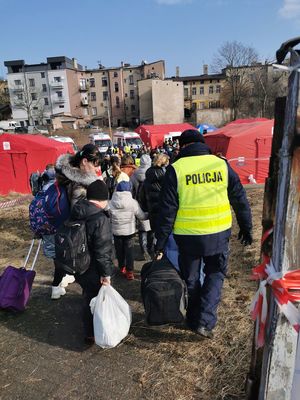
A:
[76,173]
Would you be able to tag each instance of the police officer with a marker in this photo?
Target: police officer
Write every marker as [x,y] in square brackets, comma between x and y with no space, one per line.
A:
[195,203]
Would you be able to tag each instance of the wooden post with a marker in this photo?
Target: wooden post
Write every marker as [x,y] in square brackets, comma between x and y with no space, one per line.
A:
[279,354]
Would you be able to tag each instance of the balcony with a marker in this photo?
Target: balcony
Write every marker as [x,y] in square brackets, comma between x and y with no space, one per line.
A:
[84,102]
[83,88]
[59,100]
[18,88]
[56,85]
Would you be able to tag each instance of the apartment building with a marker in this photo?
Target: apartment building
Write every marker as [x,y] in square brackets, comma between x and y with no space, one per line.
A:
[41,93]
[113,92]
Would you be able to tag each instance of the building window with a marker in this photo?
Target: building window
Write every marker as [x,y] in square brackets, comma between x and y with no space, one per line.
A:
[218,105]
[211,90]
[33,96]
[186,92]
[35,108]
[202,106]
[105,96]
[85,112]
[116,87]
[211,81]
[57,79]
[202,90]
[214,104]
[218,89]
[20,96]
[93,96]
[202,81]
[59,94]
[194,91]
[82,84]
[104,81]
[42,74]
[36,122]
[17,82]
[131,82]
[31,83]
[92,82]
[132,107]
[46,101]
[61,106]
[94,110]
[44,86]
[117,102]
[48,121]
[126,95]
[131,95]
[115,74]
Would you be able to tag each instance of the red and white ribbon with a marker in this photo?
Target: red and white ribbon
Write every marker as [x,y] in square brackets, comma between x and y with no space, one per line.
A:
[12,203]
[286,290]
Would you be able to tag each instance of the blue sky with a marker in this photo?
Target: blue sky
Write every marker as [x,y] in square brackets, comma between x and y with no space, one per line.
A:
[186,33]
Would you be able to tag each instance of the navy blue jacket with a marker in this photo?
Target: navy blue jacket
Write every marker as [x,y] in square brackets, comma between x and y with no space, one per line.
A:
[199,245]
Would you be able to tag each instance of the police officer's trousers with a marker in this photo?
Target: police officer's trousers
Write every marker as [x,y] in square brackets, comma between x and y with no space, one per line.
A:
[203,299]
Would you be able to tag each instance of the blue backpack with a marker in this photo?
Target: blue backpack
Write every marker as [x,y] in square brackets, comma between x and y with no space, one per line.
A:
[48,210]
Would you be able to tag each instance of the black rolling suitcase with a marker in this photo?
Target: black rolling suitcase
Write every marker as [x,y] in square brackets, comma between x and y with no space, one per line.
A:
[164,293]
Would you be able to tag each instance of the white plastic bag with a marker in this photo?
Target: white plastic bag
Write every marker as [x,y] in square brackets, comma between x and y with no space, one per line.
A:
[112,317]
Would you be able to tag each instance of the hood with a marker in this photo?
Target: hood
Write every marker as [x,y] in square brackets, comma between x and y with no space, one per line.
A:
[120,200]
[145,161]
[155,174]
[84,209]
[74,174]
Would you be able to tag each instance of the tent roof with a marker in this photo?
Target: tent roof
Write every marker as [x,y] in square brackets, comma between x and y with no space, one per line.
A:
[257,128]
[164,128]
[31,142]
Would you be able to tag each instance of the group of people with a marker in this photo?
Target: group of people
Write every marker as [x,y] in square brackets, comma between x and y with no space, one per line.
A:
[188,195]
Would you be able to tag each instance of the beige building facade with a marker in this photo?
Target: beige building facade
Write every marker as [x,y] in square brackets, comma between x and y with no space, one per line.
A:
[160,102]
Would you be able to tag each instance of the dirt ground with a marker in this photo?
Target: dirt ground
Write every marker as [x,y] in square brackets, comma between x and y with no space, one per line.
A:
[43,355]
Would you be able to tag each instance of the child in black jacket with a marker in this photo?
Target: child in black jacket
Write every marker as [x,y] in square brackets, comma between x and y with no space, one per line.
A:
[98,229]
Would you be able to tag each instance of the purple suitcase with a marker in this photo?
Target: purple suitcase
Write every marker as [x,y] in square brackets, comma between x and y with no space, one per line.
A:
[16,283]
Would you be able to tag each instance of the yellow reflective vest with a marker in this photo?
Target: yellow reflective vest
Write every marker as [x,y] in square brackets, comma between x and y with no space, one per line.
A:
[202,190]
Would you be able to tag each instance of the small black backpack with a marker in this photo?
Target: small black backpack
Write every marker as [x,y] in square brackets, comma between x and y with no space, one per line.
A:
[71,247]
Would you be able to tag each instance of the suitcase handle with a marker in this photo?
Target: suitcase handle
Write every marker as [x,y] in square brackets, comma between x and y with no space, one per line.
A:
[36,254]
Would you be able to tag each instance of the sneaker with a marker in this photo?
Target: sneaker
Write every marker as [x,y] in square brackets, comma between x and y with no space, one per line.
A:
[66,280]
[123,270]
[129,275]
[202,331]
[57,292]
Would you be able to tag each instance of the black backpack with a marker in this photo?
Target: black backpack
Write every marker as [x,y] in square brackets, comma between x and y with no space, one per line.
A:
[111,184]
[71,246]
[164,293]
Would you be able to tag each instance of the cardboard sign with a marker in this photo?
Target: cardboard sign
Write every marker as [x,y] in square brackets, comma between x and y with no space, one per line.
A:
[6,145]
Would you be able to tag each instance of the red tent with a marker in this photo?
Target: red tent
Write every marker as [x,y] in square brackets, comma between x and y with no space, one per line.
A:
[20,155]
[246,146]
[154,134]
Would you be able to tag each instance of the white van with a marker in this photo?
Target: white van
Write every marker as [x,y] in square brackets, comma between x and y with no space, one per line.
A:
[65,139]
[101,140]
[122,139]
[172,135]
[8,126]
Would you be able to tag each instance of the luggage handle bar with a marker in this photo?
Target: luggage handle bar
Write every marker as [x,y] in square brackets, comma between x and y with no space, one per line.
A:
[36,254]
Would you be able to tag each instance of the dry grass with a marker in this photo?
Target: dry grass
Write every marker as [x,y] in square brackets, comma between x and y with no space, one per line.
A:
[178,364]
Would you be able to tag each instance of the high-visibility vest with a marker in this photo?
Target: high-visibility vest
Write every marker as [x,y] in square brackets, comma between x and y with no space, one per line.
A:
[202,190]
[137,161]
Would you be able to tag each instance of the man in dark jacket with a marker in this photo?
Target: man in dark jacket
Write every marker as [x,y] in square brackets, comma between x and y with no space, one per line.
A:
[98,229]
[195,204]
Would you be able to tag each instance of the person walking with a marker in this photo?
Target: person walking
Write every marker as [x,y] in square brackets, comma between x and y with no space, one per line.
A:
[75,173]
[198,190]
[144,229]
[98,231]
[152,186]
[124,210]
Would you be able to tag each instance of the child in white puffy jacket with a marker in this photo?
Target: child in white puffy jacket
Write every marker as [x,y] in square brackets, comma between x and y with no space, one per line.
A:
[124,210]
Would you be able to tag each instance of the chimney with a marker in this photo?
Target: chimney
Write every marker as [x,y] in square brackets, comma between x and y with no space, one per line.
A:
[75,64]
[205,69]
[177,72]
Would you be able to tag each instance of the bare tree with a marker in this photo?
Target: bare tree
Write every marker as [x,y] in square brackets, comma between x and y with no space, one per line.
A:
[234,59]
[4,94]
[31,101]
